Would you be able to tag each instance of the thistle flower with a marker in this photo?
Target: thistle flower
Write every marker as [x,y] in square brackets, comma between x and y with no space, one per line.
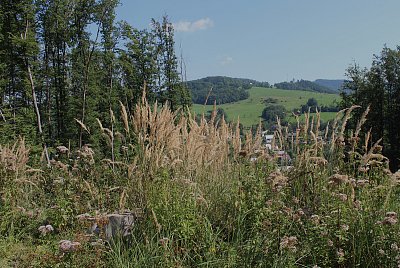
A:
[340,253]
[68,246]
[342,197]
[315,219]
[45,229]
[338,179]
[361,183]
[289,242]
[164,242]
[390,219]
[345,227]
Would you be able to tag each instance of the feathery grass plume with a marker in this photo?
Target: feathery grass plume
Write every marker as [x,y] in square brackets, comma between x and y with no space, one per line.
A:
[346,118]
[158,226]
[14,158]
[371,155]
[100,124]
[306,123]
[296,116]
[82,125]
[112,117]
[317,122]
[279,132]
[367,140]
[312,124]
[122,200]
[208,95]
[335,128]
[326,131]
[237,143]
[125,117]
[361,122]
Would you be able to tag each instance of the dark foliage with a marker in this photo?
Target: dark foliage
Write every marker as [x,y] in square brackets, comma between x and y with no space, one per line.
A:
[221,89]
[304,85]
[379,88]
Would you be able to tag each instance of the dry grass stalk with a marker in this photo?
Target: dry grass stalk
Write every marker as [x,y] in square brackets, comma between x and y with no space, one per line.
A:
[166,139]
[82,125]
[14,158]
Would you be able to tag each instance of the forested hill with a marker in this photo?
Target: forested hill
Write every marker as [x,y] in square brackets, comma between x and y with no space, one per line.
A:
[335,84]
[304,85]
[224,89]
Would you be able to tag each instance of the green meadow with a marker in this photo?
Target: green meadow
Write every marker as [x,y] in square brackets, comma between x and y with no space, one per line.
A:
[249,110]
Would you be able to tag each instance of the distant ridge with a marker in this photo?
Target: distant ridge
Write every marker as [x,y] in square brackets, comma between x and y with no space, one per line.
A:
[334,84]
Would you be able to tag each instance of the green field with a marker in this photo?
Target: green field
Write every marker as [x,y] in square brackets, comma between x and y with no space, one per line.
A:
[249,110]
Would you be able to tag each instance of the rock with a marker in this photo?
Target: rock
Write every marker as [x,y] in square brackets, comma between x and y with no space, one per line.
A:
[119,225]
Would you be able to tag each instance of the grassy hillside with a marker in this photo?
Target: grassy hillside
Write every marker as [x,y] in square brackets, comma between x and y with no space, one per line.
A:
[249,110]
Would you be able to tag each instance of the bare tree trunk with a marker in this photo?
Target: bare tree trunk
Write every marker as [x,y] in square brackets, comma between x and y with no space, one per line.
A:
[39,122]
[85,86]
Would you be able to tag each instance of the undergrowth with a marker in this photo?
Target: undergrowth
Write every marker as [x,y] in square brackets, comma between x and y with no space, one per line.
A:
[206,196]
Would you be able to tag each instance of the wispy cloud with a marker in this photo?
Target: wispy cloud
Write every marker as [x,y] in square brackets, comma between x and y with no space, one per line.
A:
[226,61]
[193,26]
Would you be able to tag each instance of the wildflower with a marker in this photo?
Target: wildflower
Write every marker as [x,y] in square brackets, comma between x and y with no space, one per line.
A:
[318,161]
[382,252]
[361,183]
[287,210]
[363,169]
[390,219]
[289,242]
[344,227]
[164,241]
[299,213]
[97,243]
[62,149]
[86,216]
[278,180]
[330,243]
[45,229]
[342,197]
[340,253]
[338,179]
[357,204]
[394,247]
[315,219]
[68,246]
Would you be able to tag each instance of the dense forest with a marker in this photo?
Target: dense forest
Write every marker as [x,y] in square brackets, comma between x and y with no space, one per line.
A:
[221,89]
[304,85]
[378,89]
[65,63]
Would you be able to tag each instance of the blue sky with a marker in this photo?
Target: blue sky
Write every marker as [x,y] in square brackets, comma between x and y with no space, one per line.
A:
[273,40]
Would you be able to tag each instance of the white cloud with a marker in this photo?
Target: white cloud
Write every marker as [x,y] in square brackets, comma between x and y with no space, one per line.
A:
[187,26]
[226,60]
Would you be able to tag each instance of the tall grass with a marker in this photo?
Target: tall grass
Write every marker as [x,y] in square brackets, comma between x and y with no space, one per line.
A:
[207,196]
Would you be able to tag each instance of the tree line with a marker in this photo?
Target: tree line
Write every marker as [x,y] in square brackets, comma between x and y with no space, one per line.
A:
[221,89]
[75,62]
[304,85]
